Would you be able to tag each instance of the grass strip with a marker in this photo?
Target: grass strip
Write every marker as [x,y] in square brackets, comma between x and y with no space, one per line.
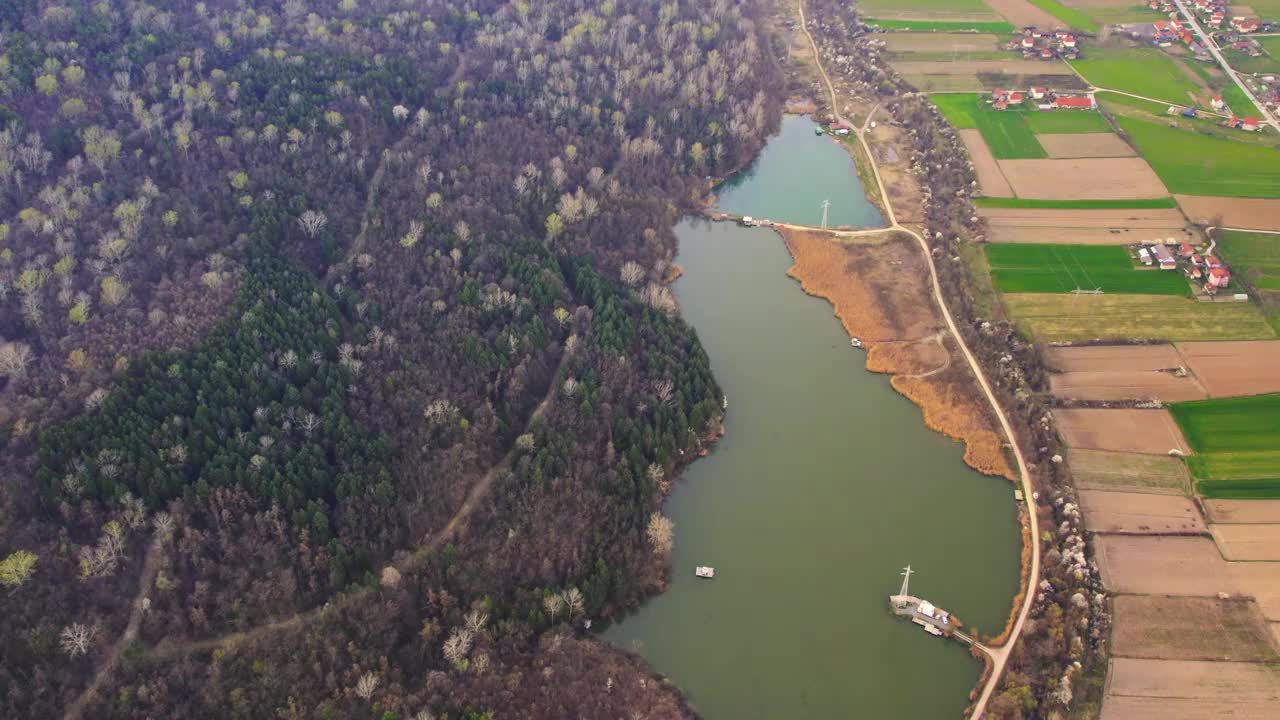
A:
[1267,489]
[1070,16]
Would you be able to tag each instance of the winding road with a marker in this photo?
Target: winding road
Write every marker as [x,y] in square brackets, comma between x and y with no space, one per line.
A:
[999,655]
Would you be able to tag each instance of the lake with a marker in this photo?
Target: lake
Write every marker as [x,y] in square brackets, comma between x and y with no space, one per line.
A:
[826,484]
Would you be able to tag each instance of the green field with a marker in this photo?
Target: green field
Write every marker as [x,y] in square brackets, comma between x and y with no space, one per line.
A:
[1062,317]
[1001,28]
[1071,16]
[1067,121]
[926,8]
[960,109]
[1135,204]
[1272,45]
[1141,71]
[1239,103]
[1195,164]
[1008,135]
[1253,256]
[1236,443]
[1035,268]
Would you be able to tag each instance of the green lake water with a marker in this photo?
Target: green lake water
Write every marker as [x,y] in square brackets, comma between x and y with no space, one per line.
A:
[825,485]
[793,175]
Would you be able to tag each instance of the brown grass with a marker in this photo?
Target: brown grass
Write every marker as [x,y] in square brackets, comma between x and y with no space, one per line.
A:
[1190,628]
[990,179]
[1256,213]
[1121,430]
[1234,368]
[1140,513]
[1084,145]
[881,294]
[1083,179]
[1130,472]
[1156,565]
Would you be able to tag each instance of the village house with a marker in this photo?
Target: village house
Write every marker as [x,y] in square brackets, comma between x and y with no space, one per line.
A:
[1216,103]
[1071,102]
[1219,277]
[1212,262]
[1164,256]
[1185,250]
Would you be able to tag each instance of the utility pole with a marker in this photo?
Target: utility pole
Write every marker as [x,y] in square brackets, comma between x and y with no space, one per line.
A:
[825,204]
[906,578]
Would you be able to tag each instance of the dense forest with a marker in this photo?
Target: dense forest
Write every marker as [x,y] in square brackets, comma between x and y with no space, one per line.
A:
[338,377]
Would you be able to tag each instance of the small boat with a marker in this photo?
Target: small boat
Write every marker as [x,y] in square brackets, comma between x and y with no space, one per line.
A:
[855,342]
[703,571]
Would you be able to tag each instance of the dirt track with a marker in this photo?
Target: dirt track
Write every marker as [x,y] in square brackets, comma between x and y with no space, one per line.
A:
[1083,179]
[882,300]
[1123,430]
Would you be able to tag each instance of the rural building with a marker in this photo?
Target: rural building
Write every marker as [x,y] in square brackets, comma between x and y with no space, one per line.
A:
[1165,256]
[1219,277]
[1074,102]
[838,128]
[1015,98]
[1216,103]
[1197,260]
[1212,262]
[1144,256]
[1038,93]
[1185,250]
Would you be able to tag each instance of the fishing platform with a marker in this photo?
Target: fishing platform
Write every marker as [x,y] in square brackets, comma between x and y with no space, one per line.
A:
[933,619]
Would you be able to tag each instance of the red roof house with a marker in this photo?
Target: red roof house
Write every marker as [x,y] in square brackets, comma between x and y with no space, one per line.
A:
[1219,277]
[1069,41]
[1037,92]
[1076,102]
[1249,124]
[1212,262]
[1015,98]
[1185,250]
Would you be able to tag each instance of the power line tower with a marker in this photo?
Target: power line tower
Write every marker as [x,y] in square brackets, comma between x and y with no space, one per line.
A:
[825,205]
[906,579]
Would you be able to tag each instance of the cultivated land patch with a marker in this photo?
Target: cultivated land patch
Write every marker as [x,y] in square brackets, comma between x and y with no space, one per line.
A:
[990,180]
[1194,164]
[1253,213]
[1227,369]
[1038,268]
[1139,513]
[1155,565]
[1132,472]
[1243,511]
[1190,628]
[1059,317]
[1083,179]
[1256,256]
[1247,542]
[1237,445]
[927,9]
[1066,122]
[1145,689]
[1082,227]
[909,42]
[952,26]
[1022,13]
[1142,71]
[1152,432]
[1011,66]
[1261,581]
[1084,145]
[1111,358]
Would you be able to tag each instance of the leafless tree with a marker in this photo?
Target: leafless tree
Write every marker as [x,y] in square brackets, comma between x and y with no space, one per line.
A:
[632,273]
[76,639]
[661,533]
[14,358]
[365,686]
[312,222]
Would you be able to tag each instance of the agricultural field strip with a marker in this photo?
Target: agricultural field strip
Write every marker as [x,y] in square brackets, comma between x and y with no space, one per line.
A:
[1067,268]
[1061,317]
[1195,164]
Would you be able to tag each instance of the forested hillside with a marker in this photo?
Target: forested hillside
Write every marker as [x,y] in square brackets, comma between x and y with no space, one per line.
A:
[337,375]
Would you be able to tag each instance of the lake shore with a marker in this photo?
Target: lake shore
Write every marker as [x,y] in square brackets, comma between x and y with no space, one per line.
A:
[877,289]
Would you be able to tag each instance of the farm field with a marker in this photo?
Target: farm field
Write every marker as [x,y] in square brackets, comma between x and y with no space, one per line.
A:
[1238,102]
[1146,689]
[1162,565]
[1259,213]
[1107,12]
[1190,628]
[1129,204]
[1237,445]
[990,180]
[1142,71]
[1070,17]
[1022,13]
[1243,511]
[1255,256]
[1146,384]
[944,26]
[1086,145]
[1020,224]
[1152,432]
[1036,268]
[1083,179]
[1139,513]
[1193,164]
[907,43]
[1056,317]
[1247,543]
[927,9]
[1227,369]
[1131,472]
[1066,121]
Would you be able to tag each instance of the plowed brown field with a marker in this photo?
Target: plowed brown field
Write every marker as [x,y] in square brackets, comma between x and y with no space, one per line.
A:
[1083,179]
[1021,13]
[1247,542]
[1119,372]
[1190,628]
[1235,368]
[990,180]
[1082,227]
[1139,513]
[881,294]
[1123,430]
[1250,213]
[1084,145]
[1142,689]
[1152,565]
[1243,511]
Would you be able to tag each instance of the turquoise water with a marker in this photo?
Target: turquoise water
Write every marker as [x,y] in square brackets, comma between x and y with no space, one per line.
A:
[794,173]
[825,485]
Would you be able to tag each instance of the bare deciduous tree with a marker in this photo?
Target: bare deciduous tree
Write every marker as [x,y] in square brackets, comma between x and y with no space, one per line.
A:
[312,222]
[661,533]
[632,273]
[365,686]
[76,639]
